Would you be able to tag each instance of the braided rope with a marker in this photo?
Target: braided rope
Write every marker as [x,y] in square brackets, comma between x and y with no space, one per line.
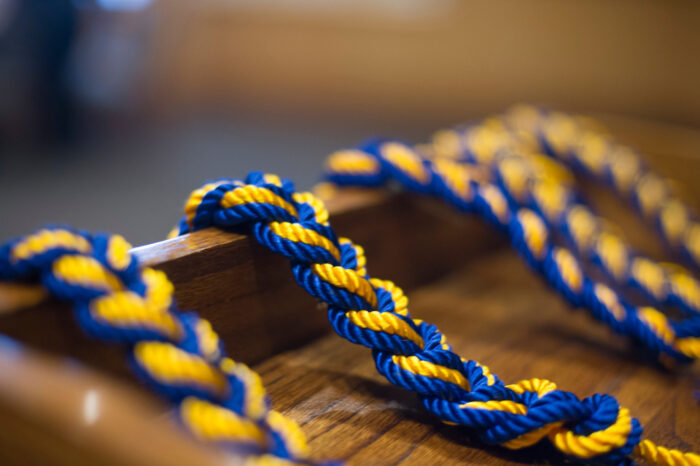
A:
[507,146]
[411,353]
[530,235]
[584,145]
[177,353]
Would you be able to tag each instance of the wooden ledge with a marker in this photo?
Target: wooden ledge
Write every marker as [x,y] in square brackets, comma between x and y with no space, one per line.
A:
[249,294]
[55,412]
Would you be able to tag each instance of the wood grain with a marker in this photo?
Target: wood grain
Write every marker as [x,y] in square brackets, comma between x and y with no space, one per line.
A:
[496,311]
[55,412]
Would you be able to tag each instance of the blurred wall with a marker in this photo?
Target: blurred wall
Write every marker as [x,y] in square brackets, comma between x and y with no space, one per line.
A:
[428,61]
[129,122]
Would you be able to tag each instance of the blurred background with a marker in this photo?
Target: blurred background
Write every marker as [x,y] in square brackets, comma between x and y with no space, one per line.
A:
[112,111]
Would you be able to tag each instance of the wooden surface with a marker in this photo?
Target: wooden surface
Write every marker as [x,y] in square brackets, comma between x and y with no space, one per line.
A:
[490,306]
[55,412]
[493,310]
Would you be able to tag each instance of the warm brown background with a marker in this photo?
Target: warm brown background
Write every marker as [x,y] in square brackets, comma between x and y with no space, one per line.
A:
[431,61]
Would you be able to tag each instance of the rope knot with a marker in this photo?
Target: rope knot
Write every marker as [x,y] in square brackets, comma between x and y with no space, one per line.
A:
[608,433]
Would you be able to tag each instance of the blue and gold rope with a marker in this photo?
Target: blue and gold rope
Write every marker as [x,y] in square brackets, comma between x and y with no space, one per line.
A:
[178,353]
[223,401]
[529,196]
[414,354]
[517,165]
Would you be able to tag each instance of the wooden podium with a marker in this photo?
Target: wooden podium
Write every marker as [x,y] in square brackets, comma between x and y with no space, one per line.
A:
[458,273]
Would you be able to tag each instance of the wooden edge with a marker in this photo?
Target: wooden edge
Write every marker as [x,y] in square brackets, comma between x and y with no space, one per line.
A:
[249,294]
[155,254]
[18,296]
[55,412]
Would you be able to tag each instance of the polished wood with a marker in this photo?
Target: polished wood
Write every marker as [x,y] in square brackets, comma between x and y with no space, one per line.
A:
[55,412]
[20,296]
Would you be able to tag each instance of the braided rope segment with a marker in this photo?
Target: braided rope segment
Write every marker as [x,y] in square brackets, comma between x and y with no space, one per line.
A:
[411,353]
[177,353]
[513,147]
[454,181]
[583,144]
[520,149]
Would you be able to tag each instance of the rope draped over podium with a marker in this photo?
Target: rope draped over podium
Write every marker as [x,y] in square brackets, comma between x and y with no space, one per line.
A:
[529,205]
[223,401]
[411,353]
[177,353]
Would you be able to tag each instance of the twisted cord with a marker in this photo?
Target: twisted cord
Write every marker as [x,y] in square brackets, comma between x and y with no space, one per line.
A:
[668,340]
[648,451]
[509,147]
[374,313]
[177,353]
[585,146]
[582,144]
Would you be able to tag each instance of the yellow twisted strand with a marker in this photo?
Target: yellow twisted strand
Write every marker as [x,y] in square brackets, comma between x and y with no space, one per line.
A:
[648,451]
